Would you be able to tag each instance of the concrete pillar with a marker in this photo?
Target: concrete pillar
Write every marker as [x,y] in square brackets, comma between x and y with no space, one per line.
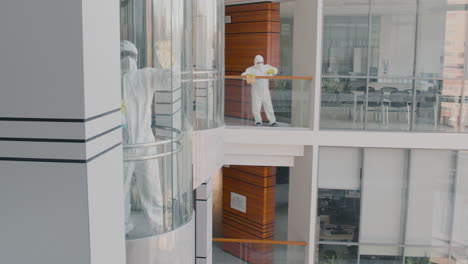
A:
[307,62]
[204,223]
[303,202]
[61,198]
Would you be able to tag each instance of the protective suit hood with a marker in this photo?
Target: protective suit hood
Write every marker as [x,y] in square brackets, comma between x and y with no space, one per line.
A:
[129,49]
[259,63]
[129,56]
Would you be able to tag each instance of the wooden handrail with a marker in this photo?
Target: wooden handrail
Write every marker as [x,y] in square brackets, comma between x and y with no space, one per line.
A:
[259,241]
[237,77]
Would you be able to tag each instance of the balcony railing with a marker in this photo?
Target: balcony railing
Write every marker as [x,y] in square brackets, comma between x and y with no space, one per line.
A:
[160,163]
[208,99]
[394,105]
[290,99]
[240,251]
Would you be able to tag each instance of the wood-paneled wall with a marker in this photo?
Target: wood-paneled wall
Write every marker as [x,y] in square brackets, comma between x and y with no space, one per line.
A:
[254,30]
[257,184]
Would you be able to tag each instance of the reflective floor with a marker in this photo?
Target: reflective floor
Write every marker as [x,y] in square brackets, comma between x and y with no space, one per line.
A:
[425,121]
[233,121]
[391,126]
[394,124]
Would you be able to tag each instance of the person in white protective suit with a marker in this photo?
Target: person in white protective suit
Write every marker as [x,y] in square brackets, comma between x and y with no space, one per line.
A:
[260,90]
[138,88]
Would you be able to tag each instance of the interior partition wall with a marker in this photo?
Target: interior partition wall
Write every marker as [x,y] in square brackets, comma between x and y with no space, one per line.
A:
[392,206]
[394,65]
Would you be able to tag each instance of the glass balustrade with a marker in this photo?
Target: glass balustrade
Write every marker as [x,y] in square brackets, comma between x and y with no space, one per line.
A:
[394,105]
[208,61]
[258,252]
[285,101]
[367,253]
[209,99]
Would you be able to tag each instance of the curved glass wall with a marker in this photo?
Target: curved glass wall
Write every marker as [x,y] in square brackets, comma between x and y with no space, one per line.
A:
[208,61]
[156,62]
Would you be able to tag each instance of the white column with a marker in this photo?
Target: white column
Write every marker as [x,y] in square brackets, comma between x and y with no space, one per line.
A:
[204,223]
[307,61]
[303,202]
[60,138]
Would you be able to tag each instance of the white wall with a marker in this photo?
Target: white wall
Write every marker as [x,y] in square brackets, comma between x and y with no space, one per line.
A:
[306,51]
[396,44]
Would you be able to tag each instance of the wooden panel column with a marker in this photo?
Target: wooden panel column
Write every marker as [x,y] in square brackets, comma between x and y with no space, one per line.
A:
[254,30]
[252,215]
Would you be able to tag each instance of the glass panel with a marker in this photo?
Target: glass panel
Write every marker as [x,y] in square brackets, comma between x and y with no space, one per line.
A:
[435,255]
[392,37]
[459,255]
[286,103]
[156,62]
[345,38]
[237,253]
[440,106]
[181,51]
[380,255]
[456,29]
[342,103]
[337,254]
[339,211]
[287,37]
[438,66]
[431,38]
[389,104]
[208,26]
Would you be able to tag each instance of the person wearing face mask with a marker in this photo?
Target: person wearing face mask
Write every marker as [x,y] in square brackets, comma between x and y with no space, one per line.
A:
[138,88]
[260,90]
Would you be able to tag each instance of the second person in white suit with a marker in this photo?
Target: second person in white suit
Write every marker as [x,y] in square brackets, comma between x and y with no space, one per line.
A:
[260,91]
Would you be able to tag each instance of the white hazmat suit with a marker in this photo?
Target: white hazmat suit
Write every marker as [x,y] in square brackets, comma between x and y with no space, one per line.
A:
[260,90]
[138,88]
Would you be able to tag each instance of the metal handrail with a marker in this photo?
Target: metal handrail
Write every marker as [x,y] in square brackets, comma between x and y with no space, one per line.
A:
[205,71]
[167,140]
[260,241]
[156,156]
[205,80]
[238,77]
[340,243]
